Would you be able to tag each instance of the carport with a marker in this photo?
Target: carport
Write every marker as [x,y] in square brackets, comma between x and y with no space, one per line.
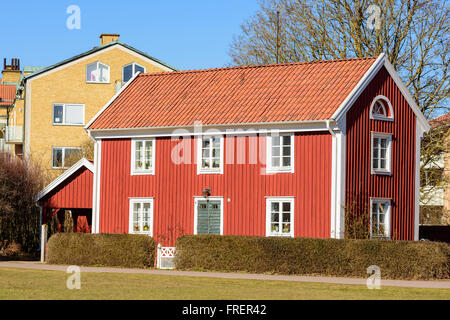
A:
[70,191]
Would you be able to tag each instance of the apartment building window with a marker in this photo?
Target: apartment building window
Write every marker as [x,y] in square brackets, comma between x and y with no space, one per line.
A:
[68,114]
[130,70]
[143,157]
[63,158]
[280,216]
[210,155]
[381,153]
[97,72]
[280,153]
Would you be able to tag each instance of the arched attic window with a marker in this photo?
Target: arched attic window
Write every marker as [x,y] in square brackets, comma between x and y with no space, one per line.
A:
[381,109]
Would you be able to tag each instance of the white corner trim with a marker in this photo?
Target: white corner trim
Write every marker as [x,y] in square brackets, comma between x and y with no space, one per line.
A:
[96,187]
[419,135]
[86,127]
[82,163]
[383,118]
[360,87]
[196,201]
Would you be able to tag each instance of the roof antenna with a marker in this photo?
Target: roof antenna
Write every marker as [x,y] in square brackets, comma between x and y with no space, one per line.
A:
[278,36]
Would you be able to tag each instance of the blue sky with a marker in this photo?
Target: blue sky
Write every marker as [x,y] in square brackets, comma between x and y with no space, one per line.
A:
[192,34]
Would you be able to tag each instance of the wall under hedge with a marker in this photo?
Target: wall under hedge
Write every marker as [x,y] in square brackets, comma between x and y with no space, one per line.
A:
[114,250]
[306,256]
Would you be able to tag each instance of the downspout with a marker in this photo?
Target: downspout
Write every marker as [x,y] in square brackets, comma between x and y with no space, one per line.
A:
[334,200]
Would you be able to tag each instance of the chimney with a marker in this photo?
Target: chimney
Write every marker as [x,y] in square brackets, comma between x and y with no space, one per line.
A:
[106,38]
[11,73]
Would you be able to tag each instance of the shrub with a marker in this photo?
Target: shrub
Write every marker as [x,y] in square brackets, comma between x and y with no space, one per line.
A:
[20,180]
[306,256]
[112,250]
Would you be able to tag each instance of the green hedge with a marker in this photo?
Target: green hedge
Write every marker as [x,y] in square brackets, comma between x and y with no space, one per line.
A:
[306,256]
[113,250]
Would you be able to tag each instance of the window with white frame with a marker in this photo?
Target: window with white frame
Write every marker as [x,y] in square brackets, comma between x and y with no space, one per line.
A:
[280,217]
[143,156]
[380,218]
[68,114]
[65,157]
[141,216]
[381,109]
[130,70]
[381,153]
[210,154]
[97,72]
[280,153]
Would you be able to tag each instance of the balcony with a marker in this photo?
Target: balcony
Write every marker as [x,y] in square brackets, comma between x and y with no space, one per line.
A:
[4,147]
[14,134]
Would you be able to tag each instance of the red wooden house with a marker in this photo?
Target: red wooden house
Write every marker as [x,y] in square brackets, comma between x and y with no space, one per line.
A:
[277,150]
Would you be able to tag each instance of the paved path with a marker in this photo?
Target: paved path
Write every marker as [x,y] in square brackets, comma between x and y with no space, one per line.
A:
[244,276]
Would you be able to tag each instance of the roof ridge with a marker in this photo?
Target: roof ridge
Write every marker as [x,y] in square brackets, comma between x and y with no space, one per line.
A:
[255,66]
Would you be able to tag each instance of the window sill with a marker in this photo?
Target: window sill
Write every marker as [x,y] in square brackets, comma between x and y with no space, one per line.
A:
[279,170]
[382,118]
[68,125]
[210,172]
[98,82]
[143,173]
[280,235]
[381,173]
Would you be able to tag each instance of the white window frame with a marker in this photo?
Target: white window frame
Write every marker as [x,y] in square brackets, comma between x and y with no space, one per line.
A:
[151,171]
[63,155]
[197,200]
[386,102]
[64,105]
[134,64]
[387,224]
[269,201]
[98,63]
[269,166]
[388,170]
[201,170]
[130,215]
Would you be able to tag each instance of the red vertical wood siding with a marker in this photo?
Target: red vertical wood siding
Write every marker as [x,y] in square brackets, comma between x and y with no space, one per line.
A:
[74,193]
[242,186]
[400,185]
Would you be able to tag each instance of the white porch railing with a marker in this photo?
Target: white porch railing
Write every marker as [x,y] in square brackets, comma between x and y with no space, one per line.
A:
[165,257]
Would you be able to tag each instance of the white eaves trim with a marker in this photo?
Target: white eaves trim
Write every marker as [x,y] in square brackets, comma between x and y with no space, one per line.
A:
[111,101]
[82,163]
[381,61]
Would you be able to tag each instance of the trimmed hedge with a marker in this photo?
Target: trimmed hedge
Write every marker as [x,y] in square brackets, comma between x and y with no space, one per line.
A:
[306,256]
[111,250]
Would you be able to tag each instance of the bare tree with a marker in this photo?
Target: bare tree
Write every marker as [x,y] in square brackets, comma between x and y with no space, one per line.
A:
[413,33]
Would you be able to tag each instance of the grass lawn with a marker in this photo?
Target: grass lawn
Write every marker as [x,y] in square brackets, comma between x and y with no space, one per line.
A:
[34,284]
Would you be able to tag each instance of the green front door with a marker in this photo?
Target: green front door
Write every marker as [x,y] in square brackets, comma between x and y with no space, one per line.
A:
[208,218]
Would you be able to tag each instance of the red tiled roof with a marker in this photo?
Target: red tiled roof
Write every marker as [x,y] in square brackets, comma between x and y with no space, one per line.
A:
[442,120]
[251,94]
[7,94]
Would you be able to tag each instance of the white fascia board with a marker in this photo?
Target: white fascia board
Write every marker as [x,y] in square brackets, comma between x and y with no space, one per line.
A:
[381,61]
[360,87]
[420,117]
[226,129]
[111,101]
[82,163]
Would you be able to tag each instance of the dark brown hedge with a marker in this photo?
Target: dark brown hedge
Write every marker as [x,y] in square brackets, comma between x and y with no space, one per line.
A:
[305,256]
[113,250]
